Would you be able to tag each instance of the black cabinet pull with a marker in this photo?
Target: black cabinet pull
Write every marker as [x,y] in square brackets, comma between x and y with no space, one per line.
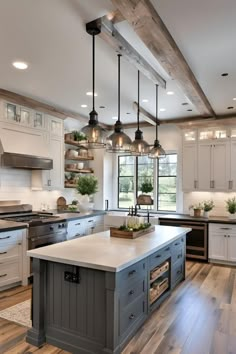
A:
[167,249]
[132,316]
[3,253]
[158,256]
[4,238]
[179,271]
[177,243]
[132,272]
[179,256]
[3,275]
[131,292]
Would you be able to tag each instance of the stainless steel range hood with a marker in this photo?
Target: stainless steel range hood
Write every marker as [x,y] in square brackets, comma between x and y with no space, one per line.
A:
[24,149]
[26,161]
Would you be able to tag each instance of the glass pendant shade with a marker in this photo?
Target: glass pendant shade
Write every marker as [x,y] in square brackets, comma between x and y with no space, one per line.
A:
[139,146]
[156,150]
[94,132]
[118,141]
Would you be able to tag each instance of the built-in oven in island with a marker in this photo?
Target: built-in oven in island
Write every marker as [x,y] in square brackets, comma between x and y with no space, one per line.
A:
[196,239]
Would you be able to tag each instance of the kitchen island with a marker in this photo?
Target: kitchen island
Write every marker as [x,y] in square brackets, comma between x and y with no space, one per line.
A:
[90,295]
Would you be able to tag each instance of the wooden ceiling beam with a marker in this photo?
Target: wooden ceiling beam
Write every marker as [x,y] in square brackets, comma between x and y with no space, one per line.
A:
[43,107]
[148,25]
[120,45]
[148,117]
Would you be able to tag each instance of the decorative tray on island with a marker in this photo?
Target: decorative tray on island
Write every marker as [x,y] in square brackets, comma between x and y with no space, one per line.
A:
[131,234]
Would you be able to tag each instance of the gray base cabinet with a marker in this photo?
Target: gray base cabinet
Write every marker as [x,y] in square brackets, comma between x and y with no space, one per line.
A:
[89,311]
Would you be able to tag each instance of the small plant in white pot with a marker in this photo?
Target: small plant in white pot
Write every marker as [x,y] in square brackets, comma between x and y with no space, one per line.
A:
[231,207]
[86,186]
[208,205]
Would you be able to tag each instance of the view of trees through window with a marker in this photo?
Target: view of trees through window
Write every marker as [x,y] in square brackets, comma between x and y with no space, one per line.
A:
[136,176]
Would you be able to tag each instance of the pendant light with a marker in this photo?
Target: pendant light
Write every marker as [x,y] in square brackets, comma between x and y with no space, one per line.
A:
[118,141]
[139,146]
[156,151]
[94,132]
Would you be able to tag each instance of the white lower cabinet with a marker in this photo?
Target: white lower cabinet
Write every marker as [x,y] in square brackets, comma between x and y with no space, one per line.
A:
[222,242]
[85,226]
[13,260]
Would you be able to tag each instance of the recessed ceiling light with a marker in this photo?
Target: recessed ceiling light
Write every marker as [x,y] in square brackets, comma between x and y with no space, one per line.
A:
[84,106]
[162,109]
[145,100]
[224,74]
[90,93]
[170,93]
[234,99]
[114,117]
[230,107]
[102,107]
[20,65]
[184,103]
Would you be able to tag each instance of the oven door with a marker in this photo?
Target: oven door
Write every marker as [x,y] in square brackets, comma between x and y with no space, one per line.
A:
[46,240]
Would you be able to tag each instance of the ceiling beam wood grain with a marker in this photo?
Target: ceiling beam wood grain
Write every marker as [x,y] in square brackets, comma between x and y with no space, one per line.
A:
[148,117]
[120,45]
[148,25]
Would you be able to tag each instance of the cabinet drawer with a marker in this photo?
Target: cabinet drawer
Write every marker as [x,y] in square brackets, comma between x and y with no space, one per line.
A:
[132,274]
[9,252]
[129,294]
[177,244]
[222,229]
[158,257]
[131,314]
[177,254]
[10,237]
[10,273]
[177,274]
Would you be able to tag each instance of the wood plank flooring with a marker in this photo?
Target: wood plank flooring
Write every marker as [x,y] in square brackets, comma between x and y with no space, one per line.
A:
[198,318]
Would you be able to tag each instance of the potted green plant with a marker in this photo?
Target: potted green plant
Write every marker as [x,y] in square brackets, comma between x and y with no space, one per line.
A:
[231,207]
[78,136]
[87,186]
[197,208]
[146,187]
[208,205]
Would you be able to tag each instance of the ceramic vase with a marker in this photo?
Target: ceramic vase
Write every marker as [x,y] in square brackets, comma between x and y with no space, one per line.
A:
[232,216]
[206,214]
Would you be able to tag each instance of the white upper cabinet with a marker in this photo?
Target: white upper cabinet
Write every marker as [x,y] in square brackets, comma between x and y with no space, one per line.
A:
[208,160]
[22,116]
[213,165]
[190,167]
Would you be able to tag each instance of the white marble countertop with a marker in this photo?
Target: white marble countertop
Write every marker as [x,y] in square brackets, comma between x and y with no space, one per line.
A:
[100,251]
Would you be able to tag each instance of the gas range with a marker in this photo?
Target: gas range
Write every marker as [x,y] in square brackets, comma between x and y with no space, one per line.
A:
[44,229]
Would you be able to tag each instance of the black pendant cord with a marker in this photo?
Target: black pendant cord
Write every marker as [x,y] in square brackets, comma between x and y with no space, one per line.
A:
[138,99]
[156,112]
[93,71]
[119,55]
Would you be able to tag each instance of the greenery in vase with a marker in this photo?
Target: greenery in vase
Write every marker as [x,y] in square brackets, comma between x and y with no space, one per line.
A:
[231,205]
[146,187]
[208,205]
[138,228]
[87,185]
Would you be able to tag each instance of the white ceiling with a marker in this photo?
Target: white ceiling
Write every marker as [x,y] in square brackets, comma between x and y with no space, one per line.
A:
[51,37]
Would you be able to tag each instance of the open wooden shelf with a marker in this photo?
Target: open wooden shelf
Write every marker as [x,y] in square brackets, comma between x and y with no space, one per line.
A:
[79,158]
[70,185]
[79,144]
[84,170]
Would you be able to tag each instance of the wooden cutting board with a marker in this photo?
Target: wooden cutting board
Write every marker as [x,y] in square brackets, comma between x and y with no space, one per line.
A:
[61,203]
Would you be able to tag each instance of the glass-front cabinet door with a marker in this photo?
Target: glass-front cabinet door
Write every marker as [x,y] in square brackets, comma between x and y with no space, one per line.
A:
[17,114]
[38,120]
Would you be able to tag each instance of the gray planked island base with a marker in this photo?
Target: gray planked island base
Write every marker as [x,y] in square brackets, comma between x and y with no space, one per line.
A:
[90,295]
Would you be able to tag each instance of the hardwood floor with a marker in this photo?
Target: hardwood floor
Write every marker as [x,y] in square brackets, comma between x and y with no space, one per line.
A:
[199,318]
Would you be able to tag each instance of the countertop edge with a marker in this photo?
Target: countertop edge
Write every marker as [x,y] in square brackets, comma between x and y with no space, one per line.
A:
[107,268]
